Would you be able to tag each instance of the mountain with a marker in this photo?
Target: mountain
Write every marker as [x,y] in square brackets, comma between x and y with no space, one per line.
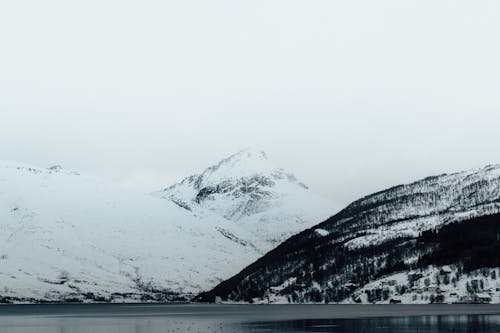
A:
[71,237]
[250,191]
[435,240]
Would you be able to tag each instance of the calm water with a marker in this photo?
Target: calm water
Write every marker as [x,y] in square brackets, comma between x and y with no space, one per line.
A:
[248,318]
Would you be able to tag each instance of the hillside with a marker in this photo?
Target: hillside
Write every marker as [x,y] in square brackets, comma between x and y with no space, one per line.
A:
[375,237]
[67,236]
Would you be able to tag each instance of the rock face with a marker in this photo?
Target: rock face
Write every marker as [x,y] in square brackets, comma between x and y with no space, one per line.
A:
[382,234]
[250,191]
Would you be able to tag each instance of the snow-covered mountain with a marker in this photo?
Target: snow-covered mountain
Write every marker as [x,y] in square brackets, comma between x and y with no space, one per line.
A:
[388,244]
[66,236]
[250,191]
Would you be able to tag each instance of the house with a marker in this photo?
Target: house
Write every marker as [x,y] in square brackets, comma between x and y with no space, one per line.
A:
[416,289]
[389,283]
[432,289]
[482,298]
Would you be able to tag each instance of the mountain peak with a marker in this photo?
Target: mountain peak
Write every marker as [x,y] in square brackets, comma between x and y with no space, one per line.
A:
[250,156]
[245,163]
[249,189]
[250,153]
[245,166]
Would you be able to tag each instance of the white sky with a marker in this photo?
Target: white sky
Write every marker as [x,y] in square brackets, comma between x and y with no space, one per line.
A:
[351,96]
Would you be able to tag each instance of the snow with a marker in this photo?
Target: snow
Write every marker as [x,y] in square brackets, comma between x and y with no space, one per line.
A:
[407,210]
[251,192]
[63,234]
[322,232]
[420,292]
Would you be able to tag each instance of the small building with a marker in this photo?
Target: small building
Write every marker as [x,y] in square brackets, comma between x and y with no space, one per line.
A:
[432,289]
[482,298]
[389,283]
[416,289]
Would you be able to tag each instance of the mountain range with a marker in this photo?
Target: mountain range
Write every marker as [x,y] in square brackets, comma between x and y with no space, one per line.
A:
[244,230]
[66,236]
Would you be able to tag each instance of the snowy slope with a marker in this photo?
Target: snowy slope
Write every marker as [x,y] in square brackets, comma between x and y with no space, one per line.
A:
[65,236]
[249,190]
[406,210]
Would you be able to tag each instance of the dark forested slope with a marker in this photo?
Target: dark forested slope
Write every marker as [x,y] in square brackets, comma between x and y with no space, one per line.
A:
[441,220]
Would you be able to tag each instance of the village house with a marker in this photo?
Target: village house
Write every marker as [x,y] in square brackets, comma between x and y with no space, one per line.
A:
[391,283]
[432,289]
[482,298]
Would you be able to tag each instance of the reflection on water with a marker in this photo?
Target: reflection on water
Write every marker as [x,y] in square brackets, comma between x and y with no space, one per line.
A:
[470,323]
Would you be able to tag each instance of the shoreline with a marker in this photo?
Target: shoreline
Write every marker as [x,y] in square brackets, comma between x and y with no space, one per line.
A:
[258,312]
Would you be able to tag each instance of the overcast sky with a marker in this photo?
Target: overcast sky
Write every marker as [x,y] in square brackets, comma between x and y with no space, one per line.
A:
[351,96]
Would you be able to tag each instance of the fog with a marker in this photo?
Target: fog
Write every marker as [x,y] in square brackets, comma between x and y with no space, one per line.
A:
[351,96]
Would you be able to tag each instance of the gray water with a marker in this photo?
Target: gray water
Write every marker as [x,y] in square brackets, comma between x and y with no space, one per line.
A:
[248,318]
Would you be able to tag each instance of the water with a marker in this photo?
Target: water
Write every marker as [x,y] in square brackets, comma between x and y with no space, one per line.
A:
[248,318]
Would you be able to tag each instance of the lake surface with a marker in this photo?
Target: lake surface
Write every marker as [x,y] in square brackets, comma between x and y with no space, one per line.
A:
[126,318]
